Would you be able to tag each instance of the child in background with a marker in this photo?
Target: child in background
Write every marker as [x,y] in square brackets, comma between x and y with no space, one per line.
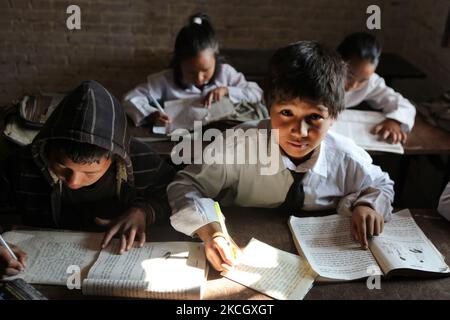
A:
[195,71]
[362,52]
[316,169]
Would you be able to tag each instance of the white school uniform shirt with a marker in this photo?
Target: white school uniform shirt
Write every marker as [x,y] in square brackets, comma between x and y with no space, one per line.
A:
[381,97]
[444,203]
[161,86]
[336,175]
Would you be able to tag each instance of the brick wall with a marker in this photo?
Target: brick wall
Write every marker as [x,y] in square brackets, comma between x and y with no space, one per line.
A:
[423,39]
[120,42]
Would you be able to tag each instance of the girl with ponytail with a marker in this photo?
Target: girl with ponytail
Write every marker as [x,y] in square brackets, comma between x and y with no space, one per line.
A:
[195,70]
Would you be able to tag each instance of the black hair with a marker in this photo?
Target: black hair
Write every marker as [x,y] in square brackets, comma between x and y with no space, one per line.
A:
[78,152]
[307,70]
[360,45]
[192,39]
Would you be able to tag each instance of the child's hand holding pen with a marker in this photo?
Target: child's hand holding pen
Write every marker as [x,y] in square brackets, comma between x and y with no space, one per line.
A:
[220,248]
[12,259]
[160,117]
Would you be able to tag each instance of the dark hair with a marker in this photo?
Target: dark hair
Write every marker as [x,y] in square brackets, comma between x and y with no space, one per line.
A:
[192,39]
[78,152]
[360,45]
[307,70]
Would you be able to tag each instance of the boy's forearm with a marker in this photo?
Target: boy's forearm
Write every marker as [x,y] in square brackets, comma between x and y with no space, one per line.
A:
[375,199]
[147,209]
[161,210]
[206,233]
[191,196]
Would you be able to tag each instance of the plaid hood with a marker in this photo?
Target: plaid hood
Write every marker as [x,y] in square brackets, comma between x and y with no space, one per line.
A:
[89,114]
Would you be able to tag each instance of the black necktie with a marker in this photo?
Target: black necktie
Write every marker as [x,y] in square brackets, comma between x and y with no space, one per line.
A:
[295,197]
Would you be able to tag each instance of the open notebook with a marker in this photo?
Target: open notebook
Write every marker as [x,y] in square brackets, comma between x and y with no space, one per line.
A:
[402,249]
[276,273]
[357,124]
[159,270]
[184,112]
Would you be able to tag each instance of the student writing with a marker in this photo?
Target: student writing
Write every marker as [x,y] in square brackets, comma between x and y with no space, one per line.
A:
[83,171]
[196,70]
[317,169]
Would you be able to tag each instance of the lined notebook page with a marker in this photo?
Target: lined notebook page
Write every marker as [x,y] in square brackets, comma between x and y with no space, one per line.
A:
[162,270]
[184,112]
[330,249]
[276,273]
[50,253]
[357,124]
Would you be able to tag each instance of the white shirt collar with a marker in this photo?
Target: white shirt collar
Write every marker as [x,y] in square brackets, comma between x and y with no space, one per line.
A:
[317,163]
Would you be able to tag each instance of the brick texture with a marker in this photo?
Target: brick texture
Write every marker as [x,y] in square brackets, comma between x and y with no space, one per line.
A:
[120,42]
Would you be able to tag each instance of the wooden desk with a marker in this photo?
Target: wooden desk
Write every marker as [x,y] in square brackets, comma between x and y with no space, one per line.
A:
[426,139]
[271,227]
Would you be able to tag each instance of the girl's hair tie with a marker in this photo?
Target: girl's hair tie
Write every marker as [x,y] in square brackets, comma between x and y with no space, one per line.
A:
[197,20]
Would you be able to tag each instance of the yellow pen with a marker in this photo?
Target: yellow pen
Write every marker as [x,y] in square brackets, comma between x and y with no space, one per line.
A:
[224,228]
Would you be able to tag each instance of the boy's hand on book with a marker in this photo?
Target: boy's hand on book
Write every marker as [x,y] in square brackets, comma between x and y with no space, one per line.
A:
[10,266]
[129,225]
[366,222]
[390,130]
[215,95]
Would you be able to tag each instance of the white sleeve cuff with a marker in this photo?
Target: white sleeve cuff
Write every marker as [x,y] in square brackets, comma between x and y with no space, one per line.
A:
[405,116]
[138,109]
[377,200]
[190,219]
[235,94]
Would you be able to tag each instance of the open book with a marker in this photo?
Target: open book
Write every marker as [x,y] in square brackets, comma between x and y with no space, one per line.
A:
[357,125]
[402,249]
[159,270]
[184,112]
[276,273]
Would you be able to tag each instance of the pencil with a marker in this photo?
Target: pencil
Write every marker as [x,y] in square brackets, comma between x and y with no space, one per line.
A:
[224,227]
[156,103]
[7,247]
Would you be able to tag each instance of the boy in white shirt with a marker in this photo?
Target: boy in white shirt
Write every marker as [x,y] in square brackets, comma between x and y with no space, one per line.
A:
[314,169]
[362,52]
